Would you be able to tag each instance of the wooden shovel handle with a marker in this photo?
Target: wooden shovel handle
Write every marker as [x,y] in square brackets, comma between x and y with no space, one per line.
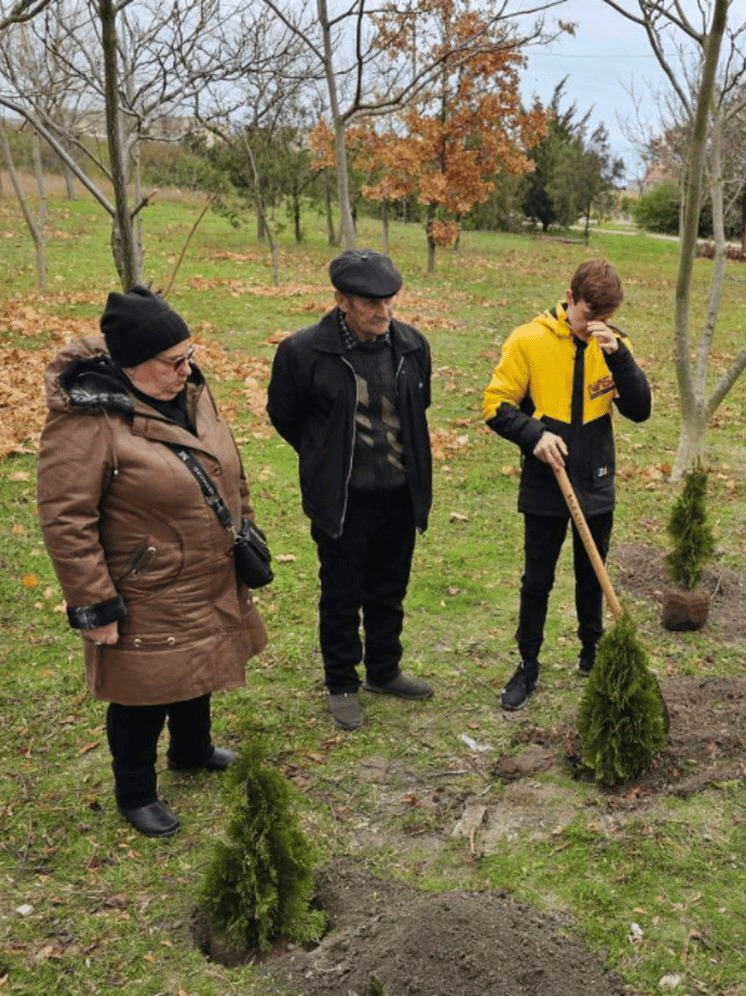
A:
[585,534]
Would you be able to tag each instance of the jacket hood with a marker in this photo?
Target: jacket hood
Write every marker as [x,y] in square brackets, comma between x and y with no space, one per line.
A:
[554,320]
[84,377]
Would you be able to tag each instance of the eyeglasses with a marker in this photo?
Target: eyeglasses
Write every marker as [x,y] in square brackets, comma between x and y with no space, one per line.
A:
[179,361]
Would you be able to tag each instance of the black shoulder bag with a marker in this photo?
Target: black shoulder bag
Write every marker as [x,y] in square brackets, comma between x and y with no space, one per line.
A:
[250,547]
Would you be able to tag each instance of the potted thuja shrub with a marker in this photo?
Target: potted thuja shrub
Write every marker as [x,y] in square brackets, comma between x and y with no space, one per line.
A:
[686,604]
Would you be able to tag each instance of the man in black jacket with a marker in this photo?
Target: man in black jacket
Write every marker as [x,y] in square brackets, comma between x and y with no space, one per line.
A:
[350,395]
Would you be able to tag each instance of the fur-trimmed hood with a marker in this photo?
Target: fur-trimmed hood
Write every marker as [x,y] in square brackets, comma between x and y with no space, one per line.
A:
[84,377]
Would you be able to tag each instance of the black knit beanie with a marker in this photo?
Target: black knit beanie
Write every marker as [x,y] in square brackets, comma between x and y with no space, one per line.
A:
[139,325]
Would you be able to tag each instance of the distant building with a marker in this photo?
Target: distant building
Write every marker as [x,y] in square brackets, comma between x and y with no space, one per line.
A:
[655,175]
[163,128]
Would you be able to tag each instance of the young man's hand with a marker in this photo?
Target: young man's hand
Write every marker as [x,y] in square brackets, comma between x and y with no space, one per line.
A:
[604,336]
[551,449]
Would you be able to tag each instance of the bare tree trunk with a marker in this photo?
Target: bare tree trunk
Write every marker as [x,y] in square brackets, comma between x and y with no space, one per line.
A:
[275,265]
[123,242]
[430,239]
[385,224]
[261,231]
[694,421]
[36,236]
[346,225]
[296,218]
[261,212]
[40,243]
[68,174]
[331,236]
[69,182]
[133,156]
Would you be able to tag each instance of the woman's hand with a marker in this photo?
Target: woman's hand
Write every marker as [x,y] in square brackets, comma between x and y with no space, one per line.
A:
[108,634]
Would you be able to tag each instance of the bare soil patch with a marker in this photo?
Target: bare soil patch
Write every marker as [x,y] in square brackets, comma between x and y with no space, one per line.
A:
[640,571]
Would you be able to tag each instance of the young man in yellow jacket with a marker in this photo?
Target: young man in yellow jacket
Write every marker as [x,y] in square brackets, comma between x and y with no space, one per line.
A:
[552,394]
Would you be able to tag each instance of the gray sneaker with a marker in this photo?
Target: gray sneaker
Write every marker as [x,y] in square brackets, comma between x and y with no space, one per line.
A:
[402,685]
[524,681]
[345,710]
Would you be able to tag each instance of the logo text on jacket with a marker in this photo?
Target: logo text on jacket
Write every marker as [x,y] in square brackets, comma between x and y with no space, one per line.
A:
[603,386]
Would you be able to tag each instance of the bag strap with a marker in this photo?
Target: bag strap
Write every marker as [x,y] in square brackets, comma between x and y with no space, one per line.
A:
[211,493]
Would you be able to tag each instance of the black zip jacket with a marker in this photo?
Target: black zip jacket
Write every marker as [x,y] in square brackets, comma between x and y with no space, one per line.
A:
[312,399]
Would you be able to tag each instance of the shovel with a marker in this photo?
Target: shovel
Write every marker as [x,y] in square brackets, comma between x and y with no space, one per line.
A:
[590,547]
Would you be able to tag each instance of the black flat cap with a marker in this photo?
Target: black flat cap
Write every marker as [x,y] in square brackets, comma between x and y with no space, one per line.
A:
[365,273]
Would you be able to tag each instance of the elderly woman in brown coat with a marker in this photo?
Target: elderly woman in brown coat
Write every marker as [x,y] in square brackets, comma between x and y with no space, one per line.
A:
[145,566]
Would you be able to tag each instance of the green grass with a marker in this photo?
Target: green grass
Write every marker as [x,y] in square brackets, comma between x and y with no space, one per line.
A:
[88,906]
[679,877]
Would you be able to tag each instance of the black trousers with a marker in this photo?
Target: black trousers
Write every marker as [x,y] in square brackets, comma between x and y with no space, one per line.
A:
[543,539]
[133,733]
[365,570]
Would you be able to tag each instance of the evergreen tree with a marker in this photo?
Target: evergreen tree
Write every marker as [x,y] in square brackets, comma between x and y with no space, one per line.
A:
[574,172]
[659,210]
[259,883]
[693,542]
[622,717]
[538,203]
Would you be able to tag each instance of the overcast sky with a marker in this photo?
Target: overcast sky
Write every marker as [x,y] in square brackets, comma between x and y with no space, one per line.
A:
[606,58]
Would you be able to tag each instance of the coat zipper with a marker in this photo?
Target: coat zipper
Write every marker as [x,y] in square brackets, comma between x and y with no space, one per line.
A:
[352,448]
[140,561]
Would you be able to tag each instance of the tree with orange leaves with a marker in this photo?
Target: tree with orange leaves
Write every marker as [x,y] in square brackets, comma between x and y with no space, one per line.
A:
[389,180]
[378,63]
[463,128]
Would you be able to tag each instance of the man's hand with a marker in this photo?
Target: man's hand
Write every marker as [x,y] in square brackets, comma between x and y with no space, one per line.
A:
[604,336]
[551,449]
[108,634]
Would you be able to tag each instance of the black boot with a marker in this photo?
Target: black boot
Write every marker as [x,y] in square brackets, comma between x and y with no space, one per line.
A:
[218,760]
[153,820]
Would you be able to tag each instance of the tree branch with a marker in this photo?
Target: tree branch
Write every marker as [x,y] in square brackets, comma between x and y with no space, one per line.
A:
[725,383]
[23,11]
[61,152]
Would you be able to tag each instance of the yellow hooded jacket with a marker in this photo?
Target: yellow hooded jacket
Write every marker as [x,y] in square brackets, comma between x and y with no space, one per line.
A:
[548,379]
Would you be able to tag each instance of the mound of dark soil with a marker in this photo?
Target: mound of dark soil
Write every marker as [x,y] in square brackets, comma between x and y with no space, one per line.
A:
[386,939]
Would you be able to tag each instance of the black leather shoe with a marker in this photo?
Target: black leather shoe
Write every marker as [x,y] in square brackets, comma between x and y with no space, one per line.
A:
[219,760]
[154,820]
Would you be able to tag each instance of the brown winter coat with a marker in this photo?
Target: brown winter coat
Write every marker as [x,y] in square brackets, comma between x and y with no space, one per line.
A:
[132,538]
